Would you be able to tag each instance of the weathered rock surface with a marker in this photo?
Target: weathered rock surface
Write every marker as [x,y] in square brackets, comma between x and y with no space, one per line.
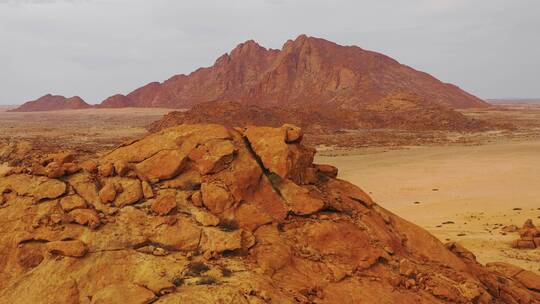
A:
[245,218]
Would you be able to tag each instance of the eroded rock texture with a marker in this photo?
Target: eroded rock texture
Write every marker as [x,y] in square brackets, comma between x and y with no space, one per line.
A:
[210,214]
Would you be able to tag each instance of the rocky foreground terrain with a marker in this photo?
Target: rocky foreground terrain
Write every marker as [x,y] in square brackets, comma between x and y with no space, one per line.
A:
[211,214]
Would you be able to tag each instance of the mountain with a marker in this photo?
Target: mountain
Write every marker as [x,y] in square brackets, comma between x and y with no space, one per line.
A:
[52,103]
[209,214]
[306,71]
[4,108]
[116,101]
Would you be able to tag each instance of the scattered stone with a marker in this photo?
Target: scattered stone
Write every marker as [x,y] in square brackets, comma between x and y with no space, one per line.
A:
[131,191]
[215,197]
[148,192]
[510,228]
[121,167]
[205,218]
[164,205]
[71,202]
[107,194]
[106,170]
[165,164]
[300,200]
[86,217]
[73,248]
[293,134]
[327,170]
[89,166]
[213,156]
[196,198]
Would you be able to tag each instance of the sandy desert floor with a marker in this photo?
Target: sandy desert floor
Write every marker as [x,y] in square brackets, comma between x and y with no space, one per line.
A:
[86,131]
[459,193]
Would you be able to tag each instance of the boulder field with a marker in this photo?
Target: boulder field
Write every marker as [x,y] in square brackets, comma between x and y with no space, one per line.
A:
[212,214]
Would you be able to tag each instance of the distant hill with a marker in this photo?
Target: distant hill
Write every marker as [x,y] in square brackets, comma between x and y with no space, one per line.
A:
[51,103]
[4,108]
[321,120]
[515,101]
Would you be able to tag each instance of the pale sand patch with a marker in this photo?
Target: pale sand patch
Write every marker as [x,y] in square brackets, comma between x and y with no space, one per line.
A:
[477,188]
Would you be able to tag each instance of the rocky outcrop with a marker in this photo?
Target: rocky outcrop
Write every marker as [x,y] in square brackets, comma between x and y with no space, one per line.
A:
[325,119]
[227,215]
[529,236]
[52,103]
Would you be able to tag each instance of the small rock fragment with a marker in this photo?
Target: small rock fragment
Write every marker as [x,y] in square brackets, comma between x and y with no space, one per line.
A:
[73,248]
[148,192]
[106,170]
[71,202]
[86,217]
[107,194]
[164,205]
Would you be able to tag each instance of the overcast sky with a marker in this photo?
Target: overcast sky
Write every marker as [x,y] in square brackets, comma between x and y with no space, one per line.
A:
[94,49]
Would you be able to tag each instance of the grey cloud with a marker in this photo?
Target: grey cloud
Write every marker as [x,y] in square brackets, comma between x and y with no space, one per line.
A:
[101,47]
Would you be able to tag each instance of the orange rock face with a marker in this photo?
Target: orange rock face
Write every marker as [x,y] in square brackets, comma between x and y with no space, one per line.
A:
[52,103]
[247,218]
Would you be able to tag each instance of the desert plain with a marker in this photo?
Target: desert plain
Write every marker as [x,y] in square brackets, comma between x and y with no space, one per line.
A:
[463,187]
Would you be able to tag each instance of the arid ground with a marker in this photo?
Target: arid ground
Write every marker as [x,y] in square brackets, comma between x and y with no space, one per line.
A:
[461,192]
[86,131]
[461,187]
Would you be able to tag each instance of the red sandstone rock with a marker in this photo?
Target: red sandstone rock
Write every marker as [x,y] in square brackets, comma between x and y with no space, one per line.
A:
[164,205]
[306,71]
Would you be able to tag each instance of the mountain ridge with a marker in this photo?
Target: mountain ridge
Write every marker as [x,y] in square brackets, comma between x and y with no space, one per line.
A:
[306,70]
